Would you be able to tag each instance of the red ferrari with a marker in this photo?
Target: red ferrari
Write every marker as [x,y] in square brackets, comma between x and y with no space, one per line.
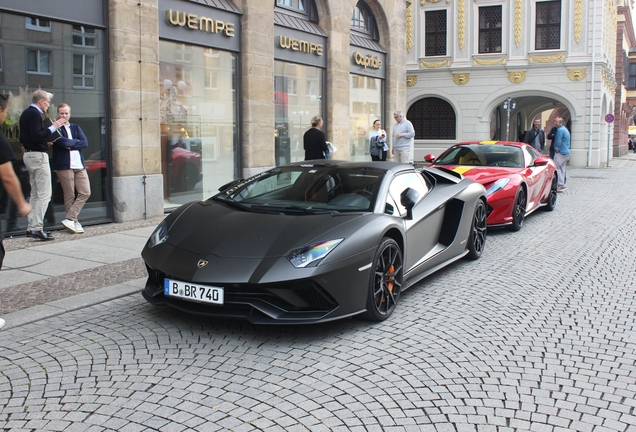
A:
[518,179]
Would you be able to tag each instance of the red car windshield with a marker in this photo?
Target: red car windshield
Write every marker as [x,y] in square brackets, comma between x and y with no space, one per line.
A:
[482,155]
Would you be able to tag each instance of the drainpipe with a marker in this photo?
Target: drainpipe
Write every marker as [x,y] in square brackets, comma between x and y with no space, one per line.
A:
[589,149]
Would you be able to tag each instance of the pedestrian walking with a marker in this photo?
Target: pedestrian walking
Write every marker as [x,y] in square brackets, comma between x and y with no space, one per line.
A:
[403,135]
[8,177]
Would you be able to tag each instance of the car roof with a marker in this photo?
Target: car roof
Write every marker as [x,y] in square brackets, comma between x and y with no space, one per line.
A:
[508,143]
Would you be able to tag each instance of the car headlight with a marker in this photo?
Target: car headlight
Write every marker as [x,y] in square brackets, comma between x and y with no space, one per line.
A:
[497,186]
[160,235]
[311,255]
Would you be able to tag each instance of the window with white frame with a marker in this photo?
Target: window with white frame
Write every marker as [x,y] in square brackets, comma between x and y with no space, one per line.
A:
[435,32]
[184,79]
[83,71]
[84,36]
[292,87]
[211,80]
[183,54]
[490,23]
[358,107]
[372,83]
[37,24]
[38,62]
[211,52]
[357,81]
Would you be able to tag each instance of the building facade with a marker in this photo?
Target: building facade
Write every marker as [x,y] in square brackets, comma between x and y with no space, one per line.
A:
[484,69]
[178,97]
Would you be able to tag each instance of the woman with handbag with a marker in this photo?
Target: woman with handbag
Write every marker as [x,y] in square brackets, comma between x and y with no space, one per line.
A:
[378,147]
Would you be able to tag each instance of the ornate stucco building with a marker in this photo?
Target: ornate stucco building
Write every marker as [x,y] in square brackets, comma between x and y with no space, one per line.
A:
[484,69]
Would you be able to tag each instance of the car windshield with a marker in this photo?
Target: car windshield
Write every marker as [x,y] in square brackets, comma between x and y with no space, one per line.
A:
[307,190]
[483,154]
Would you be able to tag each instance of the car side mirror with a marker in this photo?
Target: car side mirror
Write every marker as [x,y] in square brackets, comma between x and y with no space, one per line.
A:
[408,198]
[429,158]
[541,161]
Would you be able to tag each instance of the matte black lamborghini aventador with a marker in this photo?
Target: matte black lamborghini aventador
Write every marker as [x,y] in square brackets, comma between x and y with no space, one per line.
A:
[314,241]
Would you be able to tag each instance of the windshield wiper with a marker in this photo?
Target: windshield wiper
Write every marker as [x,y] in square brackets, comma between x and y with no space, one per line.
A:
[293,208]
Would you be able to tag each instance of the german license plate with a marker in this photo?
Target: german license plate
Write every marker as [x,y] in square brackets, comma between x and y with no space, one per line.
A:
[193,292]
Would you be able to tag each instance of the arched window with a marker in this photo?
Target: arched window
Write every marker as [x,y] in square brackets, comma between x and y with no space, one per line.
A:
[432,118]
[363,21]
[301,7]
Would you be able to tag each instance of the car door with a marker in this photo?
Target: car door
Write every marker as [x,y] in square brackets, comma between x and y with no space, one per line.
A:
[422,230]
[535,177]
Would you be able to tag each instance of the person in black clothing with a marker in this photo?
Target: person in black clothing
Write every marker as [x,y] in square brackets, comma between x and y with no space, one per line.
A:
[551,138]
[33,136]
[7,174]
[314,140]
[535,136]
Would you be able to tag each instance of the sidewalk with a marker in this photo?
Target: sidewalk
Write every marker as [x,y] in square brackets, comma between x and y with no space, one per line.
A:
[44,279]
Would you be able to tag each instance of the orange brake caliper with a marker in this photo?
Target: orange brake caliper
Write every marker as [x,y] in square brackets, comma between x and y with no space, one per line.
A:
[389,281]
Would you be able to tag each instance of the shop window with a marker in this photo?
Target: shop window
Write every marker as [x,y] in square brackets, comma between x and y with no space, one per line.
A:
[435,33]
[1,59]
[365,109]
[83,71]
[548,25]
[490,29]
[38,62]
[38,24]
[84,36]
[363,21]
[432,118]
[212,53]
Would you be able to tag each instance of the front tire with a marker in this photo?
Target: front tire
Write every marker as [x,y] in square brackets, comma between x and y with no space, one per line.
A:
[478,229]
[519,210]
[386,280]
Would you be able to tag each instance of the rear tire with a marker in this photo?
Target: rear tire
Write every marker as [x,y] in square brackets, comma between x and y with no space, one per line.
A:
[478,229]
[386,280]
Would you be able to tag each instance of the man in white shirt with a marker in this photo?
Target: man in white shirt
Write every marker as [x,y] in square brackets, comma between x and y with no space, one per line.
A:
[68,164]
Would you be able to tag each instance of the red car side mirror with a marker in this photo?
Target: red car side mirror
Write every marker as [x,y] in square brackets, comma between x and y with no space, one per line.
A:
[541,161]
[429,158]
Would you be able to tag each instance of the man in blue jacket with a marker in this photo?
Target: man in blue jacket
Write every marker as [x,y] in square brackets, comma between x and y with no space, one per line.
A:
[68,164]
[561,146]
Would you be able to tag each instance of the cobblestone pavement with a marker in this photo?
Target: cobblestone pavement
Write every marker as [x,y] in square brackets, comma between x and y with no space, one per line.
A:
[539,334]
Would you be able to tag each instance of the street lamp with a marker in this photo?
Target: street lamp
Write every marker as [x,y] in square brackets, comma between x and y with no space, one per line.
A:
[508,105]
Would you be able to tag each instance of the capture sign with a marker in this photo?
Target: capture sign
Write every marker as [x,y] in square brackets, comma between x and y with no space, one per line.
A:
[609,118]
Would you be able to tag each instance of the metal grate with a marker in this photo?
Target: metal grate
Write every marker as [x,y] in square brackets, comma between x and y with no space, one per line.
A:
[433,118]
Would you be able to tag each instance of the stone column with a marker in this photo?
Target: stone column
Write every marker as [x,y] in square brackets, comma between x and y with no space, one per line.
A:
[257,79]
[134,100]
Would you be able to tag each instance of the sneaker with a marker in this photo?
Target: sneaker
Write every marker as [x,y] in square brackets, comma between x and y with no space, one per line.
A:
[2,323]
[79,228]
[561,189]
[69,225]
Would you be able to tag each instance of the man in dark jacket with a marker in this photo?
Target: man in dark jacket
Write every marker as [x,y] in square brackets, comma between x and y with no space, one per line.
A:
[535,136]
[33,136]
[68,164]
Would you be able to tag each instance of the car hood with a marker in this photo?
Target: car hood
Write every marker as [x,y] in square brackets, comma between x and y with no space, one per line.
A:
[484,174]
[208,227]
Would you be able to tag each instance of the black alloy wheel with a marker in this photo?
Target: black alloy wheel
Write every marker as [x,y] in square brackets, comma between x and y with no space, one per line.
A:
[477,236]
[519,210]
[386,281]
[552,198]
